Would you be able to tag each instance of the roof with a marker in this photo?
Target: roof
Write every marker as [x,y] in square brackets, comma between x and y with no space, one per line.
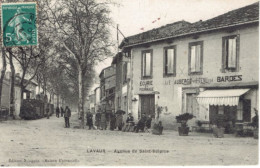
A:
[114,61]
[103,70]
[245,15]
[154,34]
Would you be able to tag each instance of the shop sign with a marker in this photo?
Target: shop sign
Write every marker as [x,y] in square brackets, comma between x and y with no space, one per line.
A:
[146,85]
[193,81]
[232,78]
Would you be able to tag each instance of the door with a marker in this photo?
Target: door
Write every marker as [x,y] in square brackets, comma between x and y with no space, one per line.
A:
[147,105]
[192,105]
[246,110]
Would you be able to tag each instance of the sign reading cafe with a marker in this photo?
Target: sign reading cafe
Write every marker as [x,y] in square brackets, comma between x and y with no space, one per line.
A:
[19,24]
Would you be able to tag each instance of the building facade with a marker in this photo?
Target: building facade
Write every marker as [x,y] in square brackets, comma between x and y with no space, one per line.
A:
[5,100]
[97,99]
[204,68]
[107,88]
[122,64]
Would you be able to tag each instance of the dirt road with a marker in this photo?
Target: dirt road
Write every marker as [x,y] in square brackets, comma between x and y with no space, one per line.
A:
[47,143]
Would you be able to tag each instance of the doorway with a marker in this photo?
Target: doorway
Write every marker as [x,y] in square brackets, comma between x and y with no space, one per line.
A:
[147,105]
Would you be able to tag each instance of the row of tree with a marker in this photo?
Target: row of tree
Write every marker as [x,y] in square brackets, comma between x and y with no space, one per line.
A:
[73,36]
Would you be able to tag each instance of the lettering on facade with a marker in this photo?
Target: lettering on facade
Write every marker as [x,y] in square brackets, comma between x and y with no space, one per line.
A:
[229,78]
[167,82]
[146,85]
[193,81]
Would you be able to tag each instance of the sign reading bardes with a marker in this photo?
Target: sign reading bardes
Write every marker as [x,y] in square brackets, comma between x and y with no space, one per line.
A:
[19,24]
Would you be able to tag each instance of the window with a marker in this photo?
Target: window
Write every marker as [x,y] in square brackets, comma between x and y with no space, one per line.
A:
[196,58]
[169,59]
[147,64]
[230,53]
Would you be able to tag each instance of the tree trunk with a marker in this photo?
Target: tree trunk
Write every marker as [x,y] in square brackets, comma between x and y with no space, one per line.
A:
[58,100]
[81,97]
[2,73]
[12,92]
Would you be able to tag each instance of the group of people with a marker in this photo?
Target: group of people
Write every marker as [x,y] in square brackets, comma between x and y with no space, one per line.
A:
[116,122]
[66,113]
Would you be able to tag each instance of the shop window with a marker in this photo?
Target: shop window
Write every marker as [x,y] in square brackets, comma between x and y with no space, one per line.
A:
[196,58]
[230,53]
[147,64]
[169,61]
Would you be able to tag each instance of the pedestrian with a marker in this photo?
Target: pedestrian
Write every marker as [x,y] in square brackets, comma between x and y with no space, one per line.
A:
[98,120]
[112,121]
[67,115]
[57,112]
[61,112]
[119,121]
[90,120]
[103,121]
[141,124]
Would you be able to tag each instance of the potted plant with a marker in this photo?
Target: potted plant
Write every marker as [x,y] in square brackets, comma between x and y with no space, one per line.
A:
[255,124]
[183,119]
[218,129]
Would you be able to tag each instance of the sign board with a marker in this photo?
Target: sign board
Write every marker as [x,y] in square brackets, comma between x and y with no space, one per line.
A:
[19,24]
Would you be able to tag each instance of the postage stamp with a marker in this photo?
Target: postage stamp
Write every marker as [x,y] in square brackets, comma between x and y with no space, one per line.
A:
[19,24]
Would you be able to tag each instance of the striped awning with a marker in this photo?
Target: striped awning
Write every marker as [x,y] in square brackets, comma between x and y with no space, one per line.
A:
[227,97]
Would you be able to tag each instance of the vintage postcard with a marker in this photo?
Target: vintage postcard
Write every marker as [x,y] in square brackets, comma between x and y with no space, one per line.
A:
[129,83]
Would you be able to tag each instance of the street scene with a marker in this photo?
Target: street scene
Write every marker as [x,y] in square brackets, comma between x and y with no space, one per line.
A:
[46,143]
[129,83]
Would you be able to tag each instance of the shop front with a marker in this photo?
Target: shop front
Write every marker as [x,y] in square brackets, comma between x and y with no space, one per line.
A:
[236,104]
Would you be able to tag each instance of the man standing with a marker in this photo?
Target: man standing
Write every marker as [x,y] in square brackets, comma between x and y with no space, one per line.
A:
[67,115]
[61,112]
[119,121]
[103,121]
[57,112]
[90,120]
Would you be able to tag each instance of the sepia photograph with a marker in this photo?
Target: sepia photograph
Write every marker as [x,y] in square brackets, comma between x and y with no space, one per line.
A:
[129,83]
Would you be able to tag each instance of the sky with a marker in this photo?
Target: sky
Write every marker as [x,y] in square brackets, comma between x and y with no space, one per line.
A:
[137,16]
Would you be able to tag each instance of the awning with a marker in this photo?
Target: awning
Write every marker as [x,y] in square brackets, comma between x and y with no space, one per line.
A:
[228,97]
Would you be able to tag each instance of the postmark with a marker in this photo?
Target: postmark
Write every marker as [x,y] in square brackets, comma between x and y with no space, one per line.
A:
[19,26]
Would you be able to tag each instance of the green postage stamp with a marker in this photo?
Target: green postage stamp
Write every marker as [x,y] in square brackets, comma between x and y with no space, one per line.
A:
[19,24]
